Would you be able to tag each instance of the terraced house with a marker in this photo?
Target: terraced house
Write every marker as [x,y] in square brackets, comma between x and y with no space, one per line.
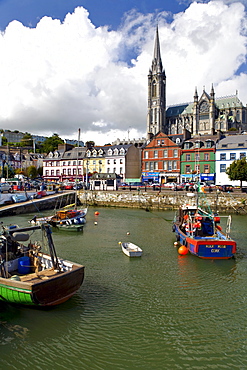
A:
[123,160]
[198,158]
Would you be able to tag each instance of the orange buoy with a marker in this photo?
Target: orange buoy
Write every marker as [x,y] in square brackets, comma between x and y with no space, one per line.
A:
[96,213]
[183,250]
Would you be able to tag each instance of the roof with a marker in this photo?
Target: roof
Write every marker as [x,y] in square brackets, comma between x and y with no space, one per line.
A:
[233,142]
[231,101]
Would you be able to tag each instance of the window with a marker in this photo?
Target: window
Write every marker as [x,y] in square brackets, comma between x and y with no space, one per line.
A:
[69,171]
[174,166]
[223,157]
[108,161]
[64,171]
[155,153]
[197,144]
[240,144]
[165,154]
[242,155]
[187,157]
[146,166]
[121,161]
[162,142]
[169,165]
[233,156]
[121,170]
[94,163]
[197,156]
[158,142]
[74,163]
[146,155]
[151,166]
[100,161]
[155,165]
[223,168]
[175,153]
[108,170]
[74,171]
[64,163]
[47,172]
[206,168]
[208,144]
[224,145]
[206,156]
[187,168]
[165,165]
[57,172]
[114,161]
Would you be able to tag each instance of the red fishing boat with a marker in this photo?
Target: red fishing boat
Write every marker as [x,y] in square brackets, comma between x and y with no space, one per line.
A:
[200,232]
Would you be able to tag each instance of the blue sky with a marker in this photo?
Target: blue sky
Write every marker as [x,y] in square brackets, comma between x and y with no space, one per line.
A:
[102,12]
[68,64]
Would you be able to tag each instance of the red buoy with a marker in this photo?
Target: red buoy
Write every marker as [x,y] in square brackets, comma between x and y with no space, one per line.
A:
[96,213]
[183,250]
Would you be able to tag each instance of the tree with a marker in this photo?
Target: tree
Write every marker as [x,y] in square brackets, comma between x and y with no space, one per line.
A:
[238,170]
[27,140]
[32,172]
[51,143]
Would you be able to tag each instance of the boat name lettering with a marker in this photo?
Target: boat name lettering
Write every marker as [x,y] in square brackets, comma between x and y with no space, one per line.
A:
[213,246]
[215,250]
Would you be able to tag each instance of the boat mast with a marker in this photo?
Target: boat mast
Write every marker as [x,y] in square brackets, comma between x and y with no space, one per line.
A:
[77,157]
[52,249]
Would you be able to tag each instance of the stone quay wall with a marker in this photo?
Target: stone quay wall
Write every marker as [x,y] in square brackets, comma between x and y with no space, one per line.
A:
[224,202]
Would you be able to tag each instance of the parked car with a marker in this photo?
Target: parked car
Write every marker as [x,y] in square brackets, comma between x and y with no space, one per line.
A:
[178,187]
[226,188]
[4,186]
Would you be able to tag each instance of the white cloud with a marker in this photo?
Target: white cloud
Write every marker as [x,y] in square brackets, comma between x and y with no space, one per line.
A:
[61,76]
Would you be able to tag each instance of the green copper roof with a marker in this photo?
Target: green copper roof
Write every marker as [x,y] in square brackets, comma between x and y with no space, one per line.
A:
[221,103]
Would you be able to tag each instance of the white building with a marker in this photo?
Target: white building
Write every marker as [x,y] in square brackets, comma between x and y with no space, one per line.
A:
[232,147]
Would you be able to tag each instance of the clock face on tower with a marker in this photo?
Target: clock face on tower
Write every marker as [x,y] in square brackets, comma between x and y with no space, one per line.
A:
[204,107]
[154,102]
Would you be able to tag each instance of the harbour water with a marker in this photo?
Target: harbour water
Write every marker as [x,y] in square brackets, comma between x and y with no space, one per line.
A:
[160,311]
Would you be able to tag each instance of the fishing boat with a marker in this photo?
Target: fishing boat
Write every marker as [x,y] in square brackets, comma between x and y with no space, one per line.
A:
[64,219]
[131,249]
[31,273]
[200,232]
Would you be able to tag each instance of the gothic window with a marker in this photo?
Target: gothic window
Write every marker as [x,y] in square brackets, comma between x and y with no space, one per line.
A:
[204,107]
[173,130]
[154,89]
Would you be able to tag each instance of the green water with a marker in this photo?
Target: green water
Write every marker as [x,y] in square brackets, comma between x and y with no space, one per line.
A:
[160,311]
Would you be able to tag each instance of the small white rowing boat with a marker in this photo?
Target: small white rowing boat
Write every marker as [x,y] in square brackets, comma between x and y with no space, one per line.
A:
[131,249]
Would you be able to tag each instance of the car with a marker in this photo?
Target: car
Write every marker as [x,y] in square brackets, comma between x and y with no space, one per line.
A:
[179,187]
[226,188]
[4,186]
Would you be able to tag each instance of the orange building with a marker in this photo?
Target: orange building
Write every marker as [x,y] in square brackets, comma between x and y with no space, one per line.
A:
[161,159]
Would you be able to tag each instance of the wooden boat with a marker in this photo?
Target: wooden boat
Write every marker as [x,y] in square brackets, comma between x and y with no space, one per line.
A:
[131,250]
[199,231]
[28,276]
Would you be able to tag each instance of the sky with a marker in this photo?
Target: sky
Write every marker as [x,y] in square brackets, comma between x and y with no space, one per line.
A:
[68,64]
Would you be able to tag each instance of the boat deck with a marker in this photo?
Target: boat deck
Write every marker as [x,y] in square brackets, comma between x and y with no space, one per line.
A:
[36,277]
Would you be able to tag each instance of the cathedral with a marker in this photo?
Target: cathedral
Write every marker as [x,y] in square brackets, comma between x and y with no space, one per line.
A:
[205,115]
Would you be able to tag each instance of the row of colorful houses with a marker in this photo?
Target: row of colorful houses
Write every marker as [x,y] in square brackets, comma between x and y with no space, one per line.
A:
[174,158]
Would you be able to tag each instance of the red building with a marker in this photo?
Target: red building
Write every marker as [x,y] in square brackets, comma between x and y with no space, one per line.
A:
[161,159]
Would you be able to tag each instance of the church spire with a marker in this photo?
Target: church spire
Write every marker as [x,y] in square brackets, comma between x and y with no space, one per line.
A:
[156,118]
[157,62]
